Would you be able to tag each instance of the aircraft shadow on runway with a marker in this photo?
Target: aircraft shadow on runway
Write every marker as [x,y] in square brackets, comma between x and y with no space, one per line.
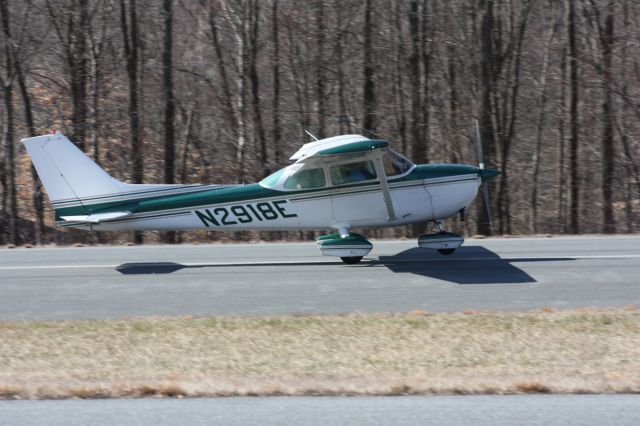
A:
[468,265]
[145,268]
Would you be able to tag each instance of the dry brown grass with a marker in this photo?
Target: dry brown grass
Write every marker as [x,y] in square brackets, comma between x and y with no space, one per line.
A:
[578,351]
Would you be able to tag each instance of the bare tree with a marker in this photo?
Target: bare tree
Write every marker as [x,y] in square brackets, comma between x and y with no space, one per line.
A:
[7,79]
[275,39]
[541,106]
[319,65]
[486,113]
[605,32]
[252,52]
[369,100]
[169,101]
[131,40]
[71,24]
[570,22]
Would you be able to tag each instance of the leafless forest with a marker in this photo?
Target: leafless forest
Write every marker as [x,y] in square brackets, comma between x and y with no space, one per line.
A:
[220,91]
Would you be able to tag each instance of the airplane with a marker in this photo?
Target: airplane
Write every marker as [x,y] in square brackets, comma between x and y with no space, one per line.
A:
[341,183]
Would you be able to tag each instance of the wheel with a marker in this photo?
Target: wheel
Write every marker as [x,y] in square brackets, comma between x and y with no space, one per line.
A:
[446,252]
[351,260]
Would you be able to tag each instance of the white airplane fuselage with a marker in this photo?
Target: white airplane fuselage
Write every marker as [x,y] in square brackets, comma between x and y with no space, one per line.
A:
[415,201]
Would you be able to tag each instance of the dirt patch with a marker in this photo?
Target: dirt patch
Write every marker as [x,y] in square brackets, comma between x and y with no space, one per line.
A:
[578,351]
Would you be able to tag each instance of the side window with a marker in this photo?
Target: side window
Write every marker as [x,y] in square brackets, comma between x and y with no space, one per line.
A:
[352,172]
[309,178]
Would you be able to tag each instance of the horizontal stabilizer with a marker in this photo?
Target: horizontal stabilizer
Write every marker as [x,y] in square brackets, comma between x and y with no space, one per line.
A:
[97,217]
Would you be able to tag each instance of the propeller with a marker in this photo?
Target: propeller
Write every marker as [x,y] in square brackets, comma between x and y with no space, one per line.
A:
[485,174]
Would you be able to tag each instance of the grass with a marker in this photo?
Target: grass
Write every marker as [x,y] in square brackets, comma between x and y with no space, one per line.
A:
[577,351]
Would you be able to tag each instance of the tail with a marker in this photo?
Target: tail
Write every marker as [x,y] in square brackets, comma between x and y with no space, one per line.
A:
[81,192]
[67,174]
[72,180]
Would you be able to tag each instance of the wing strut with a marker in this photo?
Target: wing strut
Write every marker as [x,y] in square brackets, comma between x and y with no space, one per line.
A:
[384,185]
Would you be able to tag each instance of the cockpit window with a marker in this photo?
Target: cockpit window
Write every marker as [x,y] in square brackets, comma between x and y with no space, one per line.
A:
[352,172]
[395,164]
[305,179]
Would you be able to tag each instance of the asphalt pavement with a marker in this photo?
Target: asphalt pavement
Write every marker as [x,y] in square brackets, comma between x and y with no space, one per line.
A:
[512,410]
[268,278]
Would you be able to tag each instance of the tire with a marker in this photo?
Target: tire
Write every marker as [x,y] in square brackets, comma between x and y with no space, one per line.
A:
[446,252]
[351,260]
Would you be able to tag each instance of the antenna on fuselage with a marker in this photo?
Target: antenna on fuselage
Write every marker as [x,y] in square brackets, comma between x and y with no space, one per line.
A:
[311,134]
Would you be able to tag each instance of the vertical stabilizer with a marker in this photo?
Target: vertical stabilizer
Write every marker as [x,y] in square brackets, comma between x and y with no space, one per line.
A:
[67,174]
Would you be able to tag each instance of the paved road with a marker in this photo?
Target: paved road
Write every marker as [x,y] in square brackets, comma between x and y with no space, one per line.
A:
[111,282]
[514,410]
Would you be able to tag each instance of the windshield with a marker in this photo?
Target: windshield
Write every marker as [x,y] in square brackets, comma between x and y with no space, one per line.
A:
[271,180]
[395,164]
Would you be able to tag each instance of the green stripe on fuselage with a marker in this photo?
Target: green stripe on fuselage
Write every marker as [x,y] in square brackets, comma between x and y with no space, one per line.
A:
[254,191]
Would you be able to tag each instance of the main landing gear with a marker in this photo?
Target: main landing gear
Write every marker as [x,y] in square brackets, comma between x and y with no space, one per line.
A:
[350,247]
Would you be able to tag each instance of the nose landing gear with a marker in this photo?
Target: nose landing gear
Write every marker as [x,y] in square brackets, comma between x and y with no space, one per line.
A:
[444,242]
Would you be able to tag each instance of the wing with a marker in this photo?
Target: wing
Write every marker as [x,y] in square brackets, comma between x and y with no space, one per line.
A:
[339,145]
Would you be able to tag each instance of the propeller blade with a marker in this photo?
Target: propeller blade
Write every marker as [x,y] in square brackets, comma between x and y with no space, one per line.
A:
[484,174]
[487,203]
[479,155]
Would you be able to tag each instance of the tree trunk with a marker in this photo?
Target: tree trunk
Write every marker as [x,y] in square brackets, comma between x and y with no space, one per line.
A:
[510,111]
[78,66]
[10,162]
[169,103]
[425,57]
[95,101]
[186,136]
[452,98]
[36,196]
[344,122]
[258,126]
[398,86]
[542,101]
[227,99]
[417,147]
[277,131]
[369,116]
[632,167]
[574,226]
[608,155]
[319,68]
[486,114]
[169,98]
[131,44]
[562,120]
[9,126]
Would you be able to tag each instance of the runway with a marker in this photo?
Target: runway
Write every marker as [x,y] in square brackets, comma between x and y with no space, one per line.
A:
[267,278]
[566,410]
